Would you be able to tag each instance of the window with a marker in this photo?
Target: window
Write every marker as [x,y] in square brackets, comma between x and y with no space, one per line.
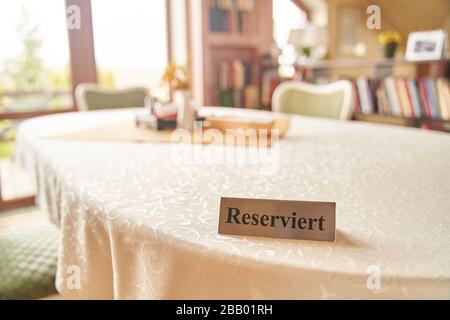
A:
[130,40]
[34,59]
[287,16]
[35,78]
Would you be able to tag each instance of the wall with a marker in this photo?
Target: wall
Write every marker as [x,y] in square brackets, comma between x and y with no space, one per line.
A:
[403,16]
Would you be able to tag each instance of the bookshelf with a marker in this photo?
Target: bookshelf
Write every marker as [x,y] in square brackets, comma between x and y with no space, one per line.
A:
[374,68]
[227,39]
[372,63]
[439,125]
[392,91]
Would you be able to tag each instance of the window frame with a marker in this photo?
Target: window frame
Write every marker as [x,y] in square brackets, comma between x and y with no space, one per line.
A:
[82,69]
[82,57]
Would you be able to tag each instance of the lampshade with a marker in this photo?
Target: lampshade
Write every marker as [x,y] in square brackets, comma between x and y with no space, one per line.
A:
[310,36]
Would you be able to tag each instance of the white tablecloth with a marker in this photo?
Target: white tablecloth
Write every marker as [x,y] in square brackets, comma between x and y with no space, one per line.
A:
[137,225]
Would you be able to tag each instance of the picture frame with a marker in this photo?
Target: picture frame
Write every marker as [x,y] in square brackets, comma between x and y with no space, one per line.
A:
[350,35]
[426,45]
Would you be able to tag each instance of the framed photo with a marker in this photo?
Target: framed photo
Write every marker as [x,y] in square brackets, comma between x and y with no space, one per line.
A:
[350,32]
[426,45]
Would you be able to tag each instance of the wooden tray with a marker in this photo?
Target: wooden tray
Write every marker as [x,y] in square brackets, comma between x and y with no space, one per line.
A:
[233,123]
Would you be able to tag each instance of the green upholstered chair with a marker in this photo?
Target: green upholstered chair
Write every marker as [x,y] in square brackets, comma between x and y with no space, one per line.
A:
[28,256]
[332,100]
[91,97]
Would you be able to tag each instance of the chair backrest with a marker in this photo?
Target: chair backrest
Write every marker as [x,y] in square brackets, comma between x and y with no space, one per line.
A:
[91,97]
[332,100]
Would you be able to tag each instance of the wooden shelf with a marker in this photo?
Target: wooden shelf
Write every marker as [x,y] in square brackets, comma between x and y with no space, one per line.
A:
[367,63]
[379,69]
[231,40]
[438,124]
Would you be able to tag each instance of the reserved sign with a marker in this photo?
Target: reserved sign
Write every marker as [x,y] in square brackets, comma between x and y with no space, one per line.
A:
[305,220]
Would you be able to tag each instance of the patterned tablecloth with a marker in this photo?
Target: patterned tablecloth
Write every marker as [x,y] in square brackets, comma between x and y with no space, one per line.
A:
[139,220]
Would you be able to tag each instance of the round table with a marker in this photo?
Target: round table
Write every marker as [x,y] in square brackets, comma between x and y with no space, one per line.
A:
[137,224]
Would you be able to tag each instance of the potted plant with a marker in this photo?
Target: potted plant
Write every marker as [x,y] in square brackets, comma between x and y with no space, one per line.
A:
[177,80]
[389,42]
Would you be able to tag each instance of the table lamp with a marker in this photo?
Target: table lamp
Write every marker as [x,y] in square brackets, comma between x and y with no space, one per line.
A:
[310,42]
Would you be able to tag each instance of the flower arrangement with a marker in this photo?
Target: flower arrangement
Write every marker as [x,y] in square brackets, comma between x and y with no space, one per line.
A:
[389,41]
[389,37]
[176,77]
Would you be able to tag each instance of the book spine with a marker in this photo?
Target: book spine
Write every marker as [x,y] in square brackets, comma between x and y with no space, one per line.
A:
[369,95]
[403,96]
[381,102]
[383,107]
[392,95]
[387,106]
[230,16]
[447,97]
[399,93]
[410,101]
[238,74]
[424,98]
[224,75]
[433,86]
[238,98]
[226,97]
[431,98]
[247,73]
[214,16]
[356,102]
[273,85]
[442,89]
[251,97]
[362,95]
[412,90]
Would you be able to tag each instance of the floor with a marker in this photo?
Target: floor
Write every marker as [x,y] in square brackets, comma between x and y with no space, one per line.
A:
[14,182]
[9,218]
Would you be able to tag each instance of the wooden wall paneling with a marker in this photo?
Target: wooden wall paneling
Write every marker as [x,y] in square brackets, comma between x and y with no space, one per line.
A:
[81,47]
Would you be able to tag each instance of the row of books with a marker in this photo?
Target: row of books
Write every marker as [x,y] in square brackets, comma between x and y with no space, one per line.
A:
[270,81]
[236,86]
[235,74]
[404,97]
[247,97]
[230,15]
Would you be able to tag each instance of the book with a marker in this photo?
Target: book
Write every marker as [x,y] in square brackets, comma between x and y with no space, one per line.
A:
[442,86]
[238,74]
[270,80]
[403,98]
[224,75]
[414,97]
[251,97]
[236,88]
[355,95]
[238,98]
[432,98]
[247,73]
[381,102]
[365,95]
[424,98]
[226,97]
[229,15]
[392,96]
[410,98]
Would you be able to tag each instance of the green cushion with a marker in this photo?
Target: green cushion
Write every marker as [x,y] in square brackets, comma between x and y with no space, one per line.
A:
[28,255]
[312,104]
[102,100]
